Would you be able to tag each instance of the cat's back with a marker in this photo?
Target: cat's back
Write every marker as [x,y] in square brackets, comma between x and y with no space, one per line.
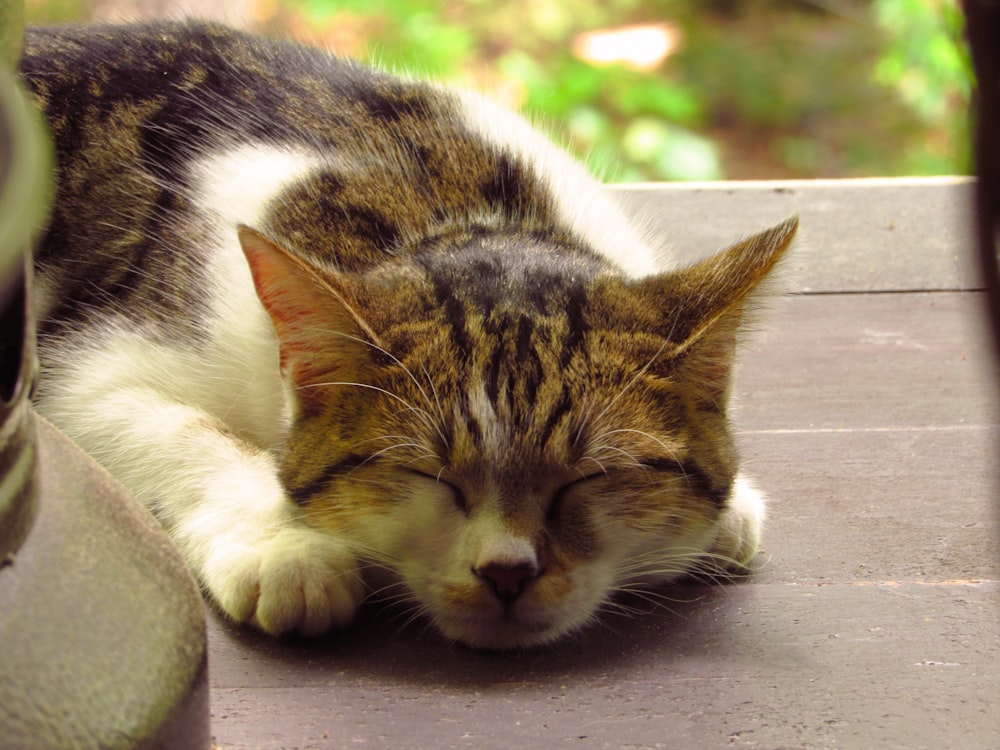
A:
[159,96]
[148,119]
[189,72]
[169,136]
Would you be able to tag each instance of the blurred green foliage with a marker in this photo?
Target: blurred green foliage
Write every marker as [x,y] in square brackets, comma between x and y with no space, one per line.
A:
[11,33]
[926,65]
[754,89]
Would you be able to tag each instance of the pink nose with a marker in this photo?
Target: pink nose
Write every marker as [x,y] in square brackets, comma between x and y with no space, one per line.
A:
[507,581]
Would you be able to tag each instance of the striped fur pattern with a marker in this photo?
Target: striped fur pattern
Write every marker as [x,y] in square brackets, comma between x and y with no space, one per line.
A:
[352,335]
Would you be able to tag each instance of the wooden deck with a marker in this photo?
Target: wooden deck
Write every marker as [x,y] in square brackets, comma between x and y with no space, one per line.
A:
[868,412]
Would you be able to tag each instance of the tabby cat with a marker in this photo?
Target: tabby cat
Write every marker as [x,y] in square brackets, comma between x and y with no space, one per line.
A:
[348,334]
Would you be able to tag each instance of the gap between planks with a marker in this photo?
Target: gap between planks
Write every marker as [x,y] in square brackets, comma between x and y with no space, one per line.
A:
[910,428]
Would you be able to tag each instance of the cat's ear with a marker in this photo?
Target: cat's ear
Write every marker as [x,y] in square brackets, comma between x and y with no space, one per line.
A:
[699,309]
[321,337]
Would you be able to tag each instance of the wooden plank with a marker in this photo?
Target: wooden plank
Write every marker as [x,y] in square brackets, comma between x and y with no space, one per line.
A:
[878,506]
[750,666]
[861,362]
[856,235]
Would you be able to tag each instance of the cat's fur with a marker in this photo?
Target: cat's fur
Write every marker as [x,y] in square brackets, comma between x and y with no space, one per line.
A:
[337,328]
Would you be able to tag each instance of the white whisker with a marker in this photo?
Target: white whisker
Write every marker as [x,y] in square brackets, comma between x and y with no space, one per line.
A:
[625,430]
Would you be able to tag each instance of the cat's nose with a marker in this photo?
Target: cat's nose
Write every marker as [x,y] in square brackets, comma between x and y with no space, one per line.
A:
[508,580]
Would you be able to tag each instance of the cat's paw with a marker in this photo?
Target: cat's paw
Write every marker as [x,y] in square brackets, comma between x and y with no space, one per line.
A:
[299,580]
[738,537]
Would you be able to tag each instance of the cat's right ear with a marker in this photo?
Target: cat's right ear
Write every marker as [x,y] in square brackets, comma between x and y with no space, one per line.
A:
[321,338]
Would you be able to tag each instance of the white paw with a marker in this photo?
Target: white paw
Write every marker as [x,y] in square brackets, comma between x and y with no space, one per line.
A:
[738,538]
[298,580]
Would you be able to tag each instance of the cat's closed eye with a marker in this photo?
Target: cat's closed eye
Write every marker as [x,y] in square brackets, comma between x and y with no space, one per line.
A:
[572,492]
[444,488]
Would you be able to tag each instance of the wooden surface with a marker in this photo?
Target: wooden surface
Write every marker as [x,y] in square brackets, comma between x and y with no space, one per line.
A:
[867,412]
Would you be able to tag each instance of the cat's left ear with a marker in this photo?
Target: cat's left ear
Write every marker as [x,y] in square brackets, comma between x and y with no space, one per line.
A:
[698,310]
[321,337]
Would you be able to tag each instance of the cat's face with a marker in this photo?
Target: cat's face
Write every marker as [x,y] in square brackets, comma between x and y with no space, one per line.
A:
[511,524]
[513,462]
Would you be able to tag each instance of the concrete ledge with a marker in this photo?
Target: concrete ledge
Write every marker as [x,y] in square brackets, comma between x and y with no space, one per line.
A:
[102,627]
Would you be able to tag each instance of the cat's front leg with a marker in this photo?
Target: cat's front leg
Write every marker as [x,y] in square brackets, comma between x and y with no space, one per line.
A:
[298,580]
[223,505]
[257,559]
[259,562]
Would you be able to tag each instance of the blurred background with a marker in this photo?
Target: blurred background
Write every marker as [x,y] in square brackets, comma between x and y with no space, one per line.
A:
[653,90]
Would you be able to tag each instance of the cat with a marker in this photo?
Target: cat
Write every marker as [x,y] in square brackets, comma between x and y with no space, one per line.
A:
[348,334]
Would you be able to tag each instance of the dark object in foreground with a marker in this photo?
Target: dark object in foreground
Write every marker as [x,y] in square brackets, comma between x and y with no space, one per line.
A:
[101,625]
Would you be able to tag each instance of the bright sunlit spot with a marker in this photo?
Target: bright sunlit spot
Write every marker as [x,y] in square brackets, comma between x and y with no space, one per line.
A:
[639,47]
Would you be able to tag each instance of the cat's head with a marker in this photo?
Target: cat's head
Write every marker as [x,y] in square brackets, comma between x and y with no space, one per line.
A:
[513,429]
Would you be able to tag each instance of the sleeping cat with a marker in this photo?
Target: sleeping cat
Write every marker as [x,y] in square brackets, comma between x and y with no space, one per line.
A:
[348,334]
